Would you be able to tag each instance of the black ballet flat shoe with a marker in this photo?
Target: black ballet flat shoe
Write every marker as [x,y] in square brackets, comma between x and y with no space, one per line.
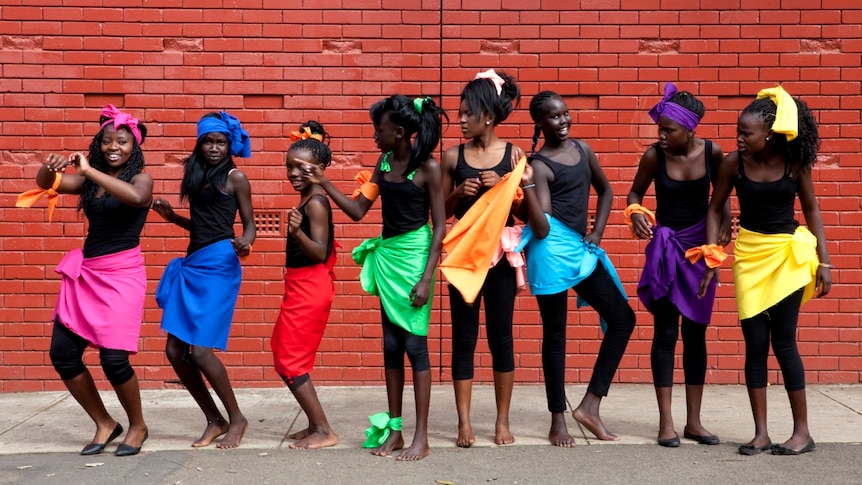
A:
[96,448]
[670,442]
[781,450]
[702,438]
[749,450]
[127,450]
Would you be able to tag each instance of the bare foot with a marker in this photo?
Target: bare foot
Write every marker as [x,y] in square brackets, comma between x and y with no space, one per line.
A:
[502,435]
[313,441]
[394,442]
[594,423]
[234,435]
[416,452]
[299,434]
[213,430]
[466,438]
[559,433]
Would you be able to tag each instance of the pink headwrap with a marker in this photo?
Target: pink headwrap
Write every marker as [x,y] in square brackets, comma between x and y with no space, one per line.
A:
[118,118]
[494,77]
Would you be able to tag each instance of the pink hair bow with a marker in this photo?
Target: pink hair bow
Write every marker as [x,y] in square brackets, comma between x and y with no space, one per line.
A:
[494,77]
[119,118]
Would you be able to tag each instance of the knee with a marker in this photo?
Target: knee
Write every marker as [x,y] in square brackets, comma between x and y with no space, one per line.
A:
[117,368]
[175,350]
[66,362]
[417,352]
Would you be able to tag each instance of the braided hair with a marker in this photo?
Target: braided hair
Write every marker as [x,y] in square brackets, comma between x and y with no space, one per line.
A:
[428,125]
[801,152]
[97,160]
[318,149]
[536,114]
[482,98]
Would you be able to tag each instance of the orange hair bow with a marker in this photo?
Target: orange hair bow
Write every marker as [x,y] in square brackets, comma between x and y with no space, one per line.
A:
[305,134]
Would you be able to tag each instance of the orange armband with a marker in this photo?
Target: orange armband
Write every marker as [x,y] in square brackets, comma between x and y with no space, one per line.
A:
[30,197]
[367,188]
[713,254]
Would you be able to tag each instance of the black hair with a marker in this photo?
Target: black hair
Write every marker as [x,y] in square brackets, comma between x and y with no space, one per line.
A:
[689,102]
[428,126]
[198,173]
[133,166]
[482,98]
[536,113]
[801,152]
[318,149]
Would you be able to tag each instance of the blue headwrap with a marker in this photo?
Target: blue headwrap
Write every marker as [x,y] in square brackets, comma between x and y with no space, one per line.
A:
[673,111]
[240,143]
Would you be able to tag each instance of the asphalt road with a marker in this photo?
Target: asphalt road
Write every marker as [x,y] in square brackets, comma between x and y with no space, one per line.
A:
[831,463]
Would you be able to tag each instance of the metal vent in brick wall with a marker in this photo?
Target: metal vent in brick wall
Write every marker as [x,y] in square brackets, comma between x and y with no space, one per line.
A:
[268,222]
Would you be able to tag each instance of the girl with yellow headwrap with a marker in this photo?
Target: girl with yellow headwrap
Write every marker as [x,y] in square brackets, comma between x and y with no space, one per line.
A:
[779,264]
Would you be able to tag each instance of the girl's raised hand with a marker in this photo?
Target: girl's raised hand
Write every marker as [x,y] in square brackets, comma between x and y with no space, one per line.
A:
[81,163]
[294,220]
[312,173]
[163,208]
[56,163]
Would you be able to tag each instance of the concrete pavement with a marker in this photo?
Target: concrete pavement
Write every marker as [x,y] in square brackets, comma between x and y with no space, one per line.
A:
[52,422]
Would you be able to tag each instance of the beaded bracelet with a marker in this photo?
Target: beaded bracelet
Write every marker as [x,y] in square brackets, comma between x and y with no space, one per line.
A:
[826,265]
[528,186]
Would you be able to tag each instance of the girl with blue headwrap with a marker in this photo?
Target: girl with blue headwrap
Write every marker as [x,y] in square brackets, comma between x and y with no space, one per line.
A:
[198,293]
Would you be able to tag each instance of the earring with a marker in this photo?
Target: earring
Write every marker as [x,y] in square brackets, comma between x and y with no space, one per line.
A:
[767,138]
[487,123]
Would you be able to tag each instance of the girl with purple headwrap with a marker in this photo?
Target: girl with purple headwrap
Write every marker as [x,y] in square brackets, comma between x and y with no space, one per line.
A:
[682,167]
[198,293]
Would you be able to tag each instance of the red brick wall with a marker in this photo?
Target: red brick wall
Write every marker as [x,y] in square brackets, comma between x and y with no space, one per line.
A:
[276,63]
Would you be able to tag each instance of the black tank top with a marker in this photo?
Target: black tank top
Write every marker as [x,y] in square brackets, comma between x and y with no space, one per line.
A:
[295,256]
[464,171]
[570,190]
[213,213]
[113,227]
[766,207]
[404,205]
[681,203]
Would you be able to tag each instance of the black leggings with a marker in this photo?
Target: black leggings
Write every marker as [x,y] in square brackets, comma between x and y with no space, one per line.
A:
[67,350]
[779,323]
[666,317]
[498,292]
[397,342]
[601,293]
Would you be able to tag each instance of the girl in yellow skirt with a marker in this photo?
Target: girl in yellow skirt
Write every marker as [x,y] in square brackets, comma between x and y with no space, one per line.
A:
[779,264]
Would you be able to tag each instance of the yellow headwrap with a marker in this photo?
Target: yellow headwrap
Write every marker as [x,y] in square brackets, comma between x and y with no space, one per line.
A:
[786,115]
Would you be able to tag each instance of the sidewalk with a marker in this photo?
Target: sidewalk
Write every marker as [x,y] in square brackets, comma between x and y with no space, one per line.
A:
[53,422]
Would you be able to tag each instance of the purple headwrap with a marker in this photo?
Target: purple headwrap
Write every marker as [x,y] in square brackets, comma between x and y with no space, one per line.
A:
[118,118]
[673,111]
[240,143]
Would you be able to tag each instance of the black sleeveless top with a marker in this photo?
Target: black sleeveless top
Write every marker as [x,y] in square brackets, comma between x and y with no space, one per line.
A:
[681,203]
[464,171]
[295,256]
[767,207]
[113,227]
[212,216]
[570,190]
[404,206]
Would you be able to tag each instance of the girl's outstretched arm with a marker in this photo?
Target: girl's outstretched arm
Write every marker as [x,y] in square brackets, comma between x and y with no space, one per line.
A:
[354,208]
